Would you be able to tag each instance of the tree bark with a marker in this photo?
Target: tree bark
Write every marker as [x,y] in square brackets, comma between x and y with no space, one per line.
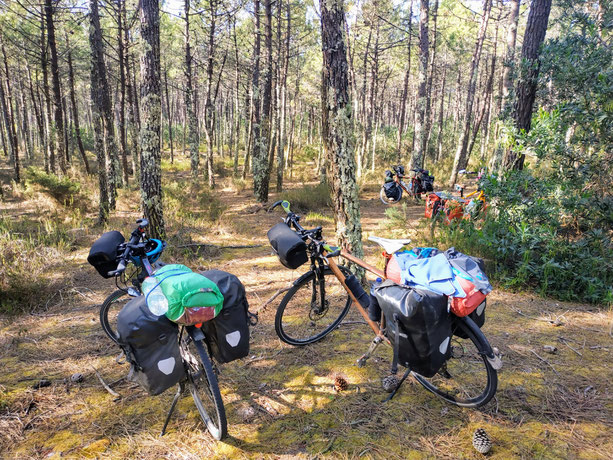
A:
[525,90]
[95,38]
[283,108]
[420,135]
[75,111]
[50,150]
[509,61]
[192,122]
[461,160]
[405,89]
[151,100]
[337,127]
[57,128]
[121,126]
[209,109]
[9,118]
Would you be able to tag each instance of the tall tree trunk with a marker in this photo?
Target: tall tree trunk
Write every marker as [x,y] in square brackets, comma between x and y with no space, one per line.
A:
[9,119]
[151,100]
[121,126]
[192,122]
[259,159]
[509,60]
[420,135]
[461,160]
[50,151]
[75,111]
[283,108]
[439,136]
[429,111]
[209,109]
[405,89]
[525,90]
[95,43]
[57,128]
[131,99]
[337,127]
[37,112]
[237,114]
[172,151]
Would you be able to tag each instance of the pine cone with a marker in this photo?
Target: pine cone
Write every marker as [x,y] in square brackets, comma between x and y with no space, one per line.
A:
[340,384]
[390,383]
[481,441]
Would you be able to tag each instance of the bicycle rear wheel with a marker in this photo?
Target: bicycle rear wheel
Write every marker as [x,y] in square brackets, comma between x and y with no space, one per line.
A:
[301,318]
[203,386]
[467,379]
[109,310]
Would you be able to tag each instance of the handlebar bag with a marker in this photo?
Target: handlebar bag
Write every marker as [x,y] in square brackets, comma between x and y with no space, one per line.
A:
[228,333]
[289,247]
[392,191]
[103,253]
[418,326]
[151,346]
[191,298]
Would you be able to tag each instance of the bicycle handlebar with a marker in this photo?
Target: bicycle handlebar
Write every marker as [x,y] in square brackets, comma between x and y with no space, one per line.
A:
[135,237]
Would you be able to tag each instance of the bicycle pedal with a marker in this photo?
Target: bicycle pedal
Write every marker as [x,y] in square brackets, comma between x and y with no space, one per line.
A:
[361,362]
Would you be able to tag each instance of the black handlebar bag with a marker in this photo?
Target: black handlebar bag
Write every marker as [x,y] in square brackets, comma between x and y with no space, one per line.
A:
[103,253]
[418,325]
[289,247]
[228,333]
[151,345]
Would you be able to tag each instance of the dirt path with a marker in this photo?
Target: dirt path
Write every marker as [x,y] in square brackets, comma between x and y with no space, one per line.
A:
[280,401]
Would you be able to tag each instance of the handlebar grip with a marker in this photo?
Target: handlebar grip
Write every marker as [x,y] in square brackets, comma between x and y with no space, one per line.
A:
[274,205]
[335,253]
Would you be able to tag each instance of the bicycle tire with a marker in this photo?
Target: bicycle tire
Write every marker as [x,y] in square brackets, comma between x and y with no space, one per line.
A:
[305,280]
[474,335]
[385,200]
[110,308]
[217,423]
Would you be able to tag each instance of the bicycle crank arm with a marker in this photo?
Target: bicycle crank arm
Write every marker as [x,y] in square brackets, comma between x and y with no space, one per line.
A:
[371,349]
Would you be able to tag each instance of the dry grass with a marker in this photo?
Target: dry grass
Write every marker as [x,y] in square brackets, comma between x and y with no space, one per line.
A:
[280,400]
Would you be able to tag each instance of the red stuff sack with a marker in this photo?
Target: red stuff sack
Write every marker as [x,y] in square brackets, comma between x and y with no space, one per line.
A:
[433,205]
[464,306]
[392,270]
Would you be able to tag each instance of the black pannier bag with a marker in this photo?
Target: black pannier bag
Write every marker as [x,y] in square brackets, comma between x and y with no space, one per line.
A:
[392,191]
[358,291]
[478,316]
[151,346]
[418,325]
[427,180]
[288,245]
[103,253]
[228,333]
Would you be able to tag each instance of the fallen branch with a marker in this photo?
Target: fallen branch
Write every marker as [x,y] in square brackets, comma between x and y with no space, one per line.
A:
[545,361]
[565,342]
[203,245]
[104,384]
[275,295]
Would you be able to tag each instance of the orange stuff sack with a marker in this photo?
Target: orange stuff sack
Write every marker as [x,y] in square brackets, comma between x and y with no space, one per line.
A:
[464,306]
[453,210]
[433,204]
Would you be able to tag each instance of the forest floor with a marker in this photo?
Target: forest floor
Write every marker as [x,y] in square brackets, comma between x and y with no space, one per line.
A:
[280,400]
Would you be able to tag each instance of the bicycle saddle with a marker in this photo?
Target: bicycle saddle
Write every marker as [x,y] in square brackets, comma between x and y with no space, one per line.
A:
[389,245]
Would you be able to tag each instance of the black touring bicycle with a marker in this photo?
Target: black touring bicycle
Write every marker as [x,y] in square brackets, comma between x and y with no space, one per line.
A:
[163,353]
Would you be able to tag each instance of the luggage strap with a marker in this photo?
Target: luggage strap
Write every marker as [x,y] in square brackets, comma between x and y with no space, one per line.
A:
[396,346]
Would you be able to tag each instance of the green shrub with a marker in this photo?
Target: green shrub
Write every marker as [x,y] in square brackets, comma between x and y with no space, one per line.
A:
[542,234]
[309,197]
[65,190]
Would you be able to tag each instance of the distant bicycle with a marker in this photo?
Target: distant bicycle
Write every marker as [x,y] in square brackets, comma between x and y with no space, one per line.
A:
[391,190]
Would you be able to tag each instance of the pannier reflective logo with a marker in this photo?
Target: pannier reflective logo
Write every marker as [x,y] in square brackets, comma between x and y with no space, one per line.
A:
[167,365]
[480,308]
[233,338]
[443,347]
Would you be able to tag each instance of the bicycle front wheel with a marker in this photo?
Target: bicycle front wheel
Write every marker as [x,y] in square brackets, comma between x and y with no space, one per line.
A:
[467,379]
[308,313]
[110,309]
[203,386]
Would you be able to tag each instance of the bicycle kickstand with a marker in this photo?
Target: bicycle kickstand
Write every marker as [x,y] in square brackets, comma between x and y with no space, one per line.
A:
[371,349]
[404,377]
[172,407]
